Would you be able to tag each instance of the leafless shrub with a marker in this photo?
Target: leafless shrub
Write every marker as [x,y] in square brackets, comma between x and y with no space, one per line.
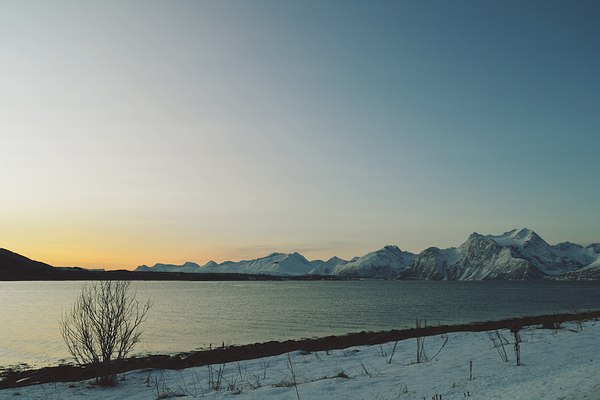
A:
[232,385]
[421,355]
[403,390]
[253,382]
[341,374]
[470,370]
[242,372]
[499,342]
[293,373]
[393,352]
[441,348]
[215,378]
[194,389]
[517,347]
[364,369]
[162,391]
[103,326]
[265,365]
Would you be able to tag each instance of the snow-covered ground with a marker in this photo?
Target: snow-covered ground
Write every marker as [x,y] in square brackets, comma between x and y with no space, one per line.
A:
[556,364]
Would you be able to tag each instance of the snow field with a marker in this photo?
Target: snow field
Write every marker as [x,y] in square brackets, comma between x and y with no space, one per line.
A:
[556,364]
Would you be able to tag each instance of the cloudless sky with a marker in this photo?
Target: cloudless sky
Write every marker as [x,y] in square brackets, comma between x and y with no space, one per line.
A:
[138,132]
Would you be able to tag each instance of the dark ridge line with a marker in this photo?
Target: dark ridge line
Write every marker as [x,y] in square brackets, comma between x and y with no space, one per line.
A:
[70,373]
[76,274]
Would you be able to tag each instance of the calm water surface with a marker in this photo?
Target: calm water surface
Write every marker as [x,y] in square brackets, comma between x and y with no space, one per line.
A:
[191,315]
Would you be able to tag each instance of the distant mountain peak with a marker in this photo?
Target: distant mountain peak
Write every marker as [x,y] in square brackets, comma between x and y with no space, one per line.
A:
[595,246]
[386,262]
[568,245]
[477,235]
[392,249]
[190,264]
[524,234]
[210,264]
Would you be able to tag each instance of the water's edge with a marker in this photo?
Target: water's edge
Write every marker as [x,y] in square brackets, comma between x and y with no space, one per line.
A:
[70,373]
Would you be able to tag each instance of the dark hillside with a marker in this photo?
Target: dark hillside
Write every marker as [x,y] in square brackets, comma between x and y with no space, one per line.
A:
[14,266]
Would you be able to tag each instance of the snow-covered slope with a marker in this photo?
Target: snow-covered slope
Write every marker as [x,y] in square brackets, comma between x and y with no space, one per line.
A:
[273,264]
[556,364]
[431,263]
[493,257]
[514,255]
[386,263]
[210,264]
[550,260]
[189,267]
[321,267]
[590,272]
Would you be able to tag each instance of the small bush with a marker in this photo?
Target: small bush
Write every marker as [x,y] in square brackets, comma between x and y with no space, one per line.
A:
[103,326]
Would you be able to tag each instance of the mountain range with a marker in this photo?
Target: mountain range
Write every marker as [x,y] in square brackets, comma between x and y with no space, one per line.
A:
[514,255]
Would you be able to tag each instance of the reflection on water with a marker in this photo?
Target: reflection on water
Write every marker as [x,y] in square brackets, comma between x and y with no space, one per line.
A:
[191,315]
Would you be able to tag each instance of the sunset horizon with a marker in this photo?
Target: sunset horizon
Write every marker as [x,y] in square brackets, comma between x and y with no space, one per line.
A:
[299,199]
[252,253]
[145,132]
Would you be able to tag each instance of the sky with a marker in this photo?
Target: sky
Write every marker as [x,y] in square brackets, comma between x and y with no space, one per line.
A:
[136,132]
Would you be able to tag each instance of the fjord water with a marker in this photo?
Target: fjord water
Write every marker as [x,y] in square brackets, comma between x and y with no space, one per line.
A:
[191,315]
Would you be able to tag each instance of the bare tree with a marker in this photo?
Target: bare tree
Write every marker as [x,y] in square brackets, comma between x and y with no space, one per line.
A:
[421,356]
[103,326]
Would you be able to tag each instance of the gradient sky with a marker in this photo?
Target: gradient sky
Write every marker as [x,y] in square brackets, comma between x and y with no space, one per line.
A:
[135,132]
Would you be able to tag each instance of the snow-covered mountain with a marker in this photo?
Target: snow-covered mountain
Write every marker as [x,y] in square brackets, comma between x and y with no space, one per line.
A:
[273,264]
[385,263]
[321,267]
[495,257]
[190,267]
[589,273]
[431,263]
[514,255]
